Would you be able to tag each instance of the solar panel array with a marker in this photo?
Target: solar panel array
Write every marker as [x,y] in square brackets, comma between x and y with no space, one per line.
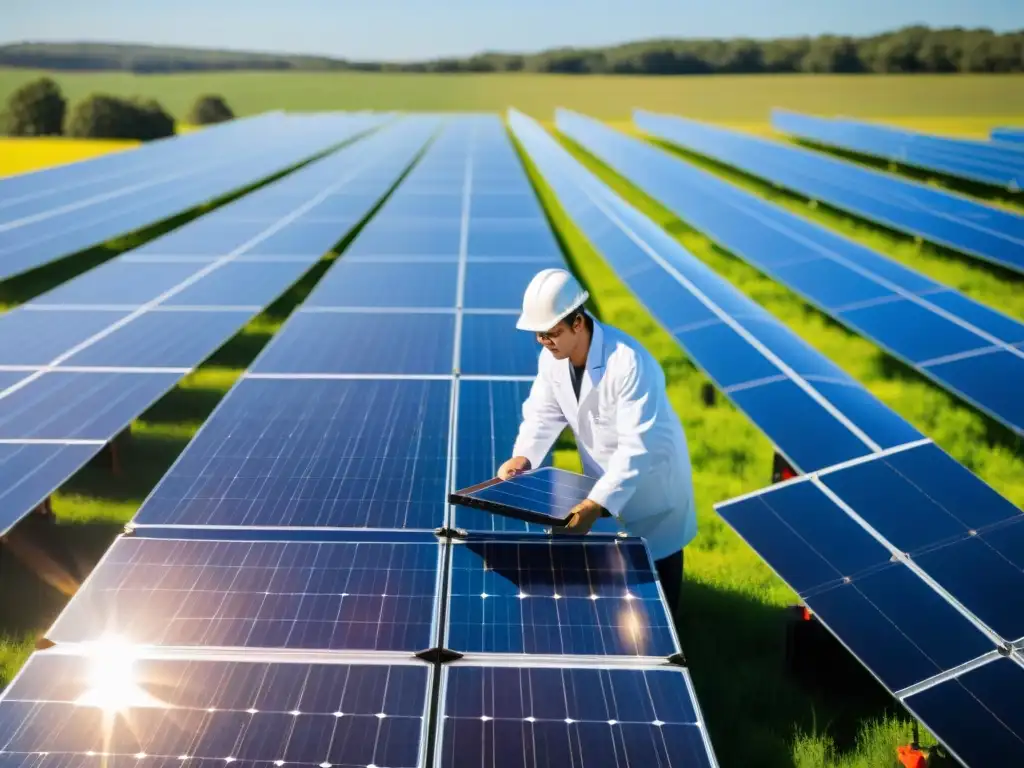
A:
[969,349]
[963,224]
[986,162]
[47,215]
[81,362]
[295,579]
[908,558]
[1007,134]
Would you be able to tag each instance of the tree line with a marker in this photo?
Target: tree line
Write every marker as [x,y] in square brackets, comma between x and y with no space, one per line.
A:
[917,49]
[39,108]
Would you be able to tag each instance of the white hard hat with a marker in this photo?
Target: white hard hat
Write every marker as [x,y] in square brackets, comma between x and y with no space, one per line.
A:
[551,296]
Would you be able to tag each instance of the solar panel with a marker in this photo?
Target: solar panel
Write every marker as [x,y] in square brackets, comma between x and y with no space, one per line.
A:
[765,369]
[64,405]
[387,284]
[544,496]
[336,453]
[545,597]
[520,241]
[493,346]
[328,595]
[119,282]
[409,343]
[242,284]
[113,363]
[1008,134]
[206,711]
[181,339]
[30,471]
[937,215]
[42,229]
[392,236]
[978,161]
[570,715]
[911,561]
[878,298]
[501,284]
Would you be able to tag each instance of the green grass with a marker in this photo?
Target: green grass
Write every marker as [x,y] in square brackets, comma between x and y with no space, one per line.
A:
[996,98]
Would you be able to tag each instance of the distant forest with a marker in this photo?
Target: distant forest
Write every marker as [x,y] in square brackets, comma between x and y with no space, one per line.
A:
[910,50]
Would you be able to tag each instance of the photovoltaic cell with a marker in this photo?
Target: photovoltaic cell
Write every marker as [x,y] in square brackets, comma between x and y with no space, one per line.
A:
[315,453]
[214,711]
[79,406]
[501,284]
[370,343]
[386,284]
[545,495]
[977,714]
[30,472]
[492,242]
[493,346]
[338,596]
[119,282]
[528,595]
[526,716]
[440,238]
[164,340]
[206,236]
[501,205]
[37,338]
[242,283]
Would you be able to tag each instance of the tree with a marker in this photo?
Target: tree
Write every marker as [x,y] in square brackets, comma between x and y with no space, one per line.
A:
[108,117]
[210,109]
[36,109]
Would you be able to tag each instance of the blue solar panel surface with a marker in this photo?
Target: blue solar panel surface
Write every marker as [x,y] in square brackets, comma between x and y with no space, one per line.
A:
[772,375]
[1008,134]
[914,563]
[536,596]
[208,711]
[41,228]
[295,595]
[979,161]
[947,219]
[547,493]
[530,715]
[144,348]
[882,300]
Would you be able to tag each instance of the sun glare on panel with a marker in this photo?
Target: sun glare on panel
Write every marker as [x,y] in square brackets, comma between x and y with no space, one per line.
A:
[112,684]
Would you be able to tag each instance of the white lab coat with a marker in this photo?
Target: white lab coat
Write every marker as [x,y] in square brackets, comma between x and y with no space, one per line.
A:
[627,435]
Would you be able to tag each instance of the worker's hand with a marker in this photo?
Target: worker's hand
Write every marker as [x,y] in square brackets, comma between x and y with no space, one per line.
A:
[514,466]
[582,517]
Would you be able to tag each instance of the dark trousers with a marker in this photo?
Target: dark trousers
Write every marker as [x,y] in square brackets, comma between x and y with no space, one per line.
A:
[670,574]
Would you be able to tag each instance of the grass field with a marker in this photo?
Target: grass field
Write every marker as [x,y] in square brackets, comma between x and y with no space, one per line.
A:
[732,628]
[994,99]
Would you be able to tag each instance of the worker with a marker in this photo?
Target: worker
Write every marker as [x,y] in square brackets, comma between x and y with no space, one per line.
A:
[611,393]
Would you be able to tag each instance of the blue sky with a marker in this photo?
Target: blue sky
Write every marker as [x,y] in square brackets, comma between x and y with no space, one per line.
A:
[413,29]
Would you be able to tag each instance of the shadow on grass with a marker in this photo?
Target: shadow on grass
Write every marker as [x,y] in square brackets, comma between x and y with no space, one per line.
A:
[778,194]
[977,189]
[740,668]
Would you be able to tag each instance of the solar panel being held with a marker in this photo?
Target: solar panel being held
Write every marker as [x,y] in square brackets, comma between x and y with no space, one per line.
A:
[918,568]
[961,345]
[939,216]
[37,227]
[984,162]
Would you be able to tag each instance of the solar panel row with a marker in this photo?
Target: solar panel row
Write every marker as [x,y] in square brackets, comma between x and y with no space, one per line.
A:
[929,599]
[1008,134]
[82,361]
[939,216]
[300,519]
[906,556]
[983,162]
[38,228]
[961,345]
